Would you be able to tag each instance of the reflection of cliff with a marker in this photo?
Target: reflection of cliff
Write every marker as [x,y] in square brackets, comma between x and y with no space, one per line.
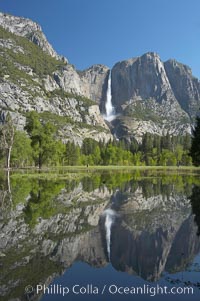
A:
[58,224]
[149,254]
[154,234]
[195,202]
[186,244]
[46,233]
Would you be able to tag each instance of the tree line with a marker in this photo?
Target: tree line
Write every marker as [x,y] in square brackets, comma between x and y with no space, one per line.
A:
[38,146]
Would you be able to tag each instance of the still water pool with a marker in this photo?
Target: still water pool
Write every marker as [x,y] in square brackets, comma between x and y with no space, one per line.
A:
[101,236]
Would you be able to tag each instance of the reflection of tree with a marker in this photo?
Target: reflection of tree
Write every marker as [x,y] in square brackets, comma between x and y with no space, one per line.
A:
[195,201]
[41,202]
[5,190]
[3,195]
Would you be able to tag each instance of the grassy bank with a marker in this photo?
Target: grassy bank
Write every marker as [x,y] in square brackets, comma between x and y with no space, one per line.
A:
[106,167]
[76,172]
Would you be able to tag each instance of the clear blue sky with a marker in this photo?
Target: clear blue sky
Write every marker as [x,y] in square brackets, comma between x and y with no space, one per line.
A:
[106,31]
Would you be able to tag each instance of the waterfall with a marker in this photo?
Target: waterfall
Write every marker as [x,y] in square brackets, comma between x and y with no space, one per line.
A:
[110,112]
[110,216]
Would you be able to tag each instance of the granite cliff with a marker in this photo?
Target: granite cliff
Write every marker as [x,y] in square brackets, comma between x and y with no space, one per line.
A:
[27,28]
[34,77]
[152,96]
[148,95]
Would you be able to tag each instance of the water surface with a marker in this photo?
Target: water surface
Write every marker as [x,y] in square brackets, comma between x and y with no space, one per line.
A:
[97,232]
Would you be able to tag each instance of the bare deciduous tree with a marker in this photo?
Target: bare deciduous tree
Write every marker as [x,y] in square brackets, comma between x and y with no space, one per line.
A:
[7,133]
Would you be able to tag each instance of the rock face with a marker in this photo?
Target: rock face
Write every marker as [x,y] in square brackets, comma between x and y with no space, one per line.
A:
[147,77]
[95,80]
[36,78]
[148,95]
[29,29]
[186,88]
[152,96]
[143,77]
[92,83]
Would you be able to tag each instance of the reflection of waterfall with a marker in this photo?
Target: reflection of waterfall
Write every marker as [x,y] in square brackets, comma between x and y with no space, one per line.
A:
[110,216]
[110,113]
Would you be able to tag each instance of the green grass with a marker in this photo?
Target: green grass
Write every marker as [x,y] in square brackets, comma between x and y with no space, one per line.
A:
[75,172]
[115,167]
[45,174]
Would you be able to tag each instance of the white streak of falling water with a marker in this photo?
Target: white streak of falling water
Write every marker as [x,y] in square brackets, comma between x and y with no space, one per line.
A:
[110,113]
[110,216]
